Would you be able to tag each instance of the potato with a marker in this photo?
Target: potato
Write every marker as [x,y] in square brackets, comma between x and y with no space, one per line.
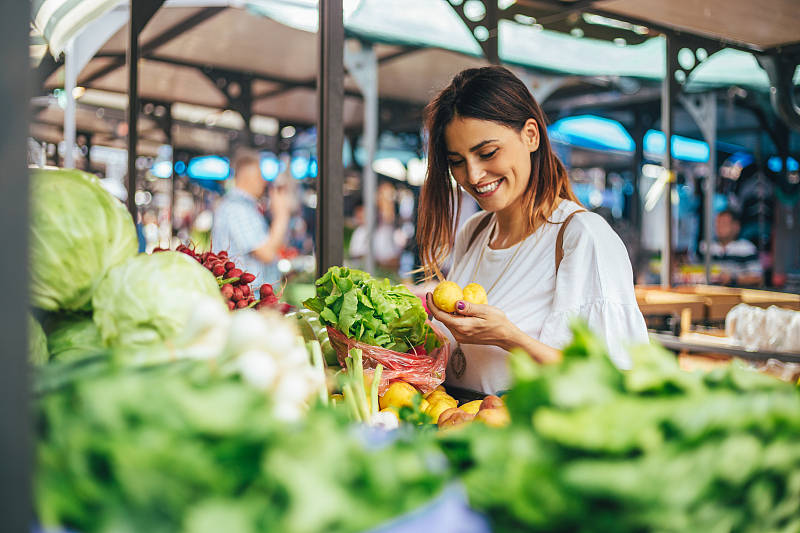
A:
[494,417]
[491,402]
[453,417]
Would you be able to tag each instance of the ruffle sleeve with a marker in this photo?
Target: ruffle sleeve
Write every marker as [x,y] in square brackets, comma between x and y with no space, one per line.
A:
[595,282]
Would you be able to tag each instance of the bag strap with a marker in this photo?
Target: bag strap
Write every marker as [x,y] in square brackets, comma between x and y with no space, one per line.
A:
[560,238]
[478,229]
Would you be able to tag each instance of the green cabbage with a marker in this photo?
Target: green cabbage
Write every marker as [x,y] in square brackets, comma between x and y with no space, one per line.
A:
[78,233]
[149,298]
[37,343]
[73,336]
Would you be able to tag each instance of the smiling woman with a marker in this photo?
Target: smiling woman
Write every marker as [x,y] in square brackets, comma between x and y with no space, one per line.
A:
[488,133]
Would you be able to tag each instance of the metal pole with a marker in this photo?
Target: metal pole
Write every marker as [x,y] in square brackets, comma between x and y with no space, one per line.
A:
[711,180]
[133,104]
[70,81]
[330,135]
[668,92]
[15,411]
[363,67]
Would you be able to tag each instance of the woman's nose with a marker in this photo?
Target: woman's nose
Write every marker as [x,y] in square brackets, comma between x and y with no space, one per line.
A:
[475,173]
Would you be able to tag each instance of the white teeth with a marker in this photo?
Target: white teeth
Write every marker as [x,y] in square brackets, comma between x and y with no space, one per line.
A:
[487,188]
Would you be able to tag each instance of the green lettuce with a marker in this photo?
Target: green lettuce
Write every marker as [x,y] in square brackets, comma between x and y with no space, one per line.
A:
[78,232]
[37,343]
[372,311]
[150,298]
[72,336]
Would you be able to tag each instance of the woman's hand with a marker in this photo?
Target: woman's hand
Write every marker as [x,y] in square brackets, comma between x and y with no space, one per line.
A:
[485,324]
[475,323]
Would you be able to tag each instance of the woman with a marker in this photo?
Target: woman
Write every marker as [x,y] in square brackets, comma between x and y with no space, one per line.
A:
[487,130]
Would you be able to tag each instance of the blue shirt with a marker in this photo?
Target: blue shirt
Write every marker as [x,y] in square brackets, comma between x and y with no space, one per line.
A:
[240,227]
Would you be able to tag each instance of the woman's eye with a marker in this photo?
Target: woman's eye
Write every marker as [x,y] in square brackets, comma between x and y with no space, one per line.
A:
[454,163]
[489,154]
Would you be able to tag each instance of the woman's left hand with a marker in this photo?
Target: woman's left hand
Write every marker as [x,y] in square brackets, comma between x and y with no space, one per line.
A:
[475,323]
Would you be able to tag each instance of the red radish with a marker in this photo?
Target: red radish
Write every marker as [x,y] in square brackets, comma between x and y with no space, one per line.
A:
[222,253]
[247,277]
[237,294]
[218,270]
[227,291]
[230,265]
[245,290]
[284,308]
[234,273]
[241,304]
[231,305]
[266,290]
[271,299]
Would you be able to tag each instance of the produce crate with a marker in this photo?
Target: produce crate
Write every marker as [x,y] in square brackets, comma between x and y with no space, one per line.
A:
[760,298]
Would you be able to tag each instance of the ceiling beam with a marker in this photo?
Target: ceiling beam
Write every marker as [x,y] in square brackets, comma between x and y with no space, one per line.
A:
[156,42]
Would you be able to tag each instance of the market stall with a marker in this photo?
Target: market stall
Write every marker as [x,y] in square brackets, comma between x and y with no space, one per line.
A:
[171,394]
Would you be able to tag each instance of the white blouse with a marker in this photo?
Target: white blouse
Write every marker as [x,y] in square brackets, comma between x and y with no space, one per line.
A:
[594,281]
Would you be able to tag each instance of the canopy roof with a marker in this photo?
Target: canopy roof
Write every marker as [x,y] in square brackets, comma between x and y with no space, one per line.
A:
[420,44]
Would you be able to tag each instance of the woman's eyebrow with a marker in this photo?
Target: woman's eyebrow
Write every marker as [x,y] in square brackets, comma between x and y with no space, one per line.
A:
[476,147]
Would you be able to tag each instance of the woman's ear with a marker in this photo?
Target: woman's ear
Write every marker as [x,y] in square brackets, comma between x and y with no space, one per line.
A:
[530,134]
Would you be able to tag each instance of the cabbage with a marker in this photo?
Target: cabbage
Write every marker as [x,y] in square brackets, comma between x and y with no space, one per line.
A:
[71,337]
[149,298]
[78,233]
[37,343]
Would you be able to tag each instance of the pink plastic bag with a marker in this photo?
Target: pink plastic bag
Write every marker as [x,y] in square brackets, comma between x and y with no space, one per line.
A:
[424,371]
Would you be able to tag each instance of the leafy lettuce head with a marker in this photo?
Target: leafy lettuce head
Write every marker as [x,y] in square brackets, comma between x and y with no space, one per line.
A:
[149,298]
[78,233]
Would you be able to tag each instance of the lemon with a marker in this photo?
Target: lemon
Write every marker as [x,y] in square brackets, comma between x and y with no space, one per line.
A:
[440,406]
[471,407]
[397,395]
[446,294]
[474,293]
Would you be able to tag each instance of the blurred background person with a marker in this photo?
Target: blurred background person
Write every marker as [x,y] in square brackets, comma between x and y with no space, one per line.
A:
[240,225]
[736,259]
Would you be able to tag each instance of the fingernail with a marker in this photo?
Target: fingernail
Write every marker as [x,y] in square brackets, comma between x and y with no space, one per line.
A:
[460,306]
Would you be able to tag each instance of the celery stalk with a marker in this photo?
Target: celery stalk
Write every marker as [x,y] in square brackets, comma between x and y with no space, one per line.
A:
[373,393]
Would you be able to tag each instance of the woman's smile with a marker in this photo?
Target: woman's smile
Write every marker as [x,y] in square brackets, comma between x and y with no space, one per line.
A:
[487,189]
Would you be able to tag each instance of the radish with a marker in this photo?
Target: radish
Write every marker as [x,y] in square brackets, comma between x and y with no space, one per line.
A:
[237,294]
[247,277]
[218,270]
[266,290]
[230,265]
[234,273]
[231,305]
[241,304]
[245,290]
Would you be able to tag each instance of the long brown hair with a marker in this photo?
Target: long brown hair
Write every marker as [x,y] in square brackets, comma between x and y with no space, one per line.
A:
[496,95]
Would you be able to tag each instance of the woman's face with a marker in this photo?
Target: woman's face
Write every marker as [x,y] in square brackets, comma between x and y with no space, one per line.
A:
[490,161]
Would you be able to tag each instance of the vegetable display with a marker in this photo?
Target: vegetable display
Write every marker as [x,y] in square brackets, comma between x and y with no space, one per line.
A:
[372,311]
[78,232]
[654,449]
[149,298]
[37,342]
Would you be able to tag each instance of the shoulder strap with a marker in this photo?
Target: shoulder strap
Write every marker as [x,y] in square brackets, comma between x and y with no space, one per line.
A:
[560,238]
[478,229]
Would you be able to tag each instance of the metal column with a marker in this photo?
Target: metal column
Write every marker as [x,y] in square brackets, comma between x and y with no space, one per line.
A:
[363,67]
[140,13]
[703,109]
[15,413]
[669,90]
[70,81]
[330,135]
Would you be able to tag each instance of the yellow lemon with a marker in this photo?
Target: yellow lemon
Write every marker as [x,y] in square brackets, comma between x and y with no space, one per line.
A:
[436,395]
[397,395]
[424,405]
[446,294]
[474,293]
[471,407]
[439,407]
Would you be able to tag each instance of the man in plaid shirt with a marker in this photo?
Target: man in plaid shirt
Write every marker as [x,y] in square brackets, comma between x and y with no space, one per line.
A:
[240,226]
